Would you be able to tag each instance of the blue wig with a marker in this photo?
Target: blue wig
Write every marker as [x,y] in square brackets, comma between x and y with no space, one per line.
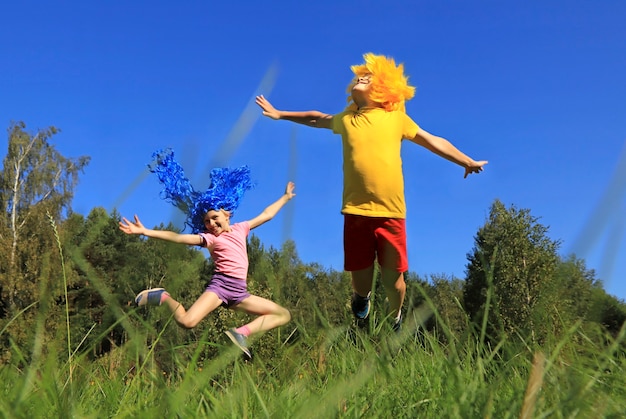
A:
[225,192]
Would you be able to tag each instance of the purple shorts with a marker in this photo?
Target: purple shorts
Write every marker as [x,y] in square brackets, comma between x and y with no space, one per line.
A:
[231,291]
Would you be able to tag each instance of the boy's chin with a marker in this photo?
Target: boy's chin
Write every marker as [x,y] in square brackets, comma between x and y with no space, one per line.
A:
[359,96]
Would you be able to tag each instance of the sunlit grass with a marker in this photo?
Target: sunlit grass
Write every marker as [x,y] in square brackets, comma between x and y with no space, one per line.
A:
[341,373]
[325,373]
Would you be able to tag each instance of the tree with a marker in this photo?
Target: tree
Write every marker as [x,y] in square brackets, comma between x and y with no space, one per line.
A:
[607,311]
[514,260]
[566,297]
[37,184]
[450,320]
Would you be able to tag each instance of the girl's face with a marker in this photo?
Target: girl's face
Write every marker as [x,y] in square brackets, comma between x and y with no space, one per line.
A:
[217,221]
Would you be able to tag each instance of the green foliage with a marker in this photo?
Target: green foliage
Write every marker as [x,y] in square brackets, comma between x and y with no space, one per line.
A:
[512,249]
[607,311]
[37,182]
[446,295]
[566,297]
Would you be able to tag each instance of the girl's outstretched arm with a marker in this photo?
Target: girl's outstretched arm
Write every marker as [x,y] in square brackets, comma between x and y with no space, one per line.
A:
[315,119]
[269,212]
[137,227]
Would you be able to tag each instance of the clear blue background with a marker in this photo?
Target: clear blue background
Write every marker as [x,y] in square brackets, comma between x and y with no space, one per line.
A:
[537,88]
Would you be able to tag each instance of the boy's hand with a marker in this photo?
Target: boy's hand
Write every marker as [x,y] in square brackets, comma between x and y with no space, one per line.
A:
[268,109]
[474,167]
[130,227]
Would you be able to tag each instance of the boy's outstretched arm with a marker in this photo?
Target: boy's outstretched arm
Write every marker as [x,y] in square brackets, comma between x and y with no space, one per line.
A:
[269,212]
[315,119]
[445,149]
[137,227]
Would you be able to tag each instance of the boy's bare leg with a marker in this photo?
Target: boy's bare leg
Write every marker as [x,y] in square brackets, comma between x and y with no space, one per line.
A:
[362,281]
[360,302]
[395,289]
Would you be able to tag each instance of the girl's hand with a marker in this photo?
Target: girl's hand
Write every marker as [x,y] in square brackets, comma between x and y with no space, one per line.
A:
[131,228]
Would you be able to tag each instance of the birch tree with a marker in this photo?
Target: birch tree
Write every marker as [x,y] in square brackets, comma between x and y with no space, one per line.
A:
[37,183]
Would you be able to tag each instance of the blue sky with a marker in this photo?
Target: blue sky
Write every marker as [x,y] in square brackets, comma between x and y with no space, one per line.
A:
[537,88]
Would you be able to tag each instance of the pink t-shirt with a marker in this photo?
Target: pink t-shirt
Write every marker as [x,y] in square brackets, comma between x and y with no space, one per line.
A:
[228,250]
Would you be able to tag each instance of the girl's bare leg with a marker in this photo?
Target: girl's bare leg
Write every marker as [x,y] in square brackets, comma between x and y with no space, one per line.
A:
[270,314]
[188,319]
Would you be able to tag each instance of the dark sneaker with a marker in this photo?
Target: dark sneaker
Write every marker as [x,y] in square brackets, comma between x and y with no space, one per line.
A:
[360,306]
[397,324]
[241,342]
[363,324]
[151,297]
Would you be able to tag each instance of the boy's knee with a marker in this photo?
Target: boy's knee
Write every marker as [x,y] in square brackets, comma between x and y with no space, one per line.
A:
[401,285]
[393,280]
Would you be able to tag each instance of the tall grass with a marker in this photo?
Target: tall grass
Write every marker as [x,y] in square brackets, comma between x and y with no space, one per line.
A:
[67,307]
[342,373]
[327,373]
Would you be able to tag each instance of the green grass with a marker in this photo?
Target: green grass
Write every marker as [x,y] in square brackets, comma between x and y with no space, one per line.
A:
[332,372]
[339,373]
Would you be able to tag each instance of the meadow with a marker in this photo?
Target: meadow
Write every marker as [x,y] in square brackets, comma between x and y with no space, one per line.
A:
[342,372]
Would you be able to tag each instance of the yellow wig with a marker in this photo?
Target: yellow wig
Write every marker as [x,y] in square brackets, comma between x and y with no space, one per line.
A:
[389,85]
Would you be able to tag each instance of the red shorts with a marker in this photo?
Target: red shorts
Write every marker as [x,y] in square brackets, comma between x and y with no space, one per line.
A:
[368,238]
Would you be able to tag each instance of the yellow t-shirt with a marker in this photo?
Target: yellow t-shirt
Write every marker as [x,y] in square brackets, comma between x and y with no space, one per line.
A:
[373,184]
